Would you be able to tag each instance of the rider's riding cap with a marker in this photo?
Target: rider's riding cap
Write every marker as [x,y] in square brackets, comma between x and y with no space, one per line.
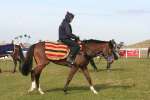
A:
[69,16]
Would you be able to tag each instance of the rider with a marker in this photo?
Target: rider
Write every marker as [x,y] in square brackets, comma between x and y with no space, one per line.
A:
[67,37]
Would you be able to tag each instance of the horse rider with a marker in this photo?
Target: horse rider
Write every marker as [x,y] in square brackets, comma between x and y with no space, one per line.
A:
[67,37]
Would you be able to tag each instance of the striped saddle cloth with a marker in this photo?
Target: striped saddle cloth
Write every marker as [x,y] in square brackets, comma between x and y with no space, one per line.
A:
[56,51]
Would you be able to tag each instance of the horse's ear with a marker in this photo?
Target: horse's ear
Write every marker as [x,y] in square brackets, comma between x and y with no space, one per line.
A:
[111,42]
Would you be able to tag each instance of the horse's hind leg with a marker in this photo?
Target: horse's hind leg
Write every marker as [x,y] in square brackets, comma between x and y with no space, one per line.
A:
[33,85]
[72,72]
[35,75]
[41,61]
[38,71]
[87,75]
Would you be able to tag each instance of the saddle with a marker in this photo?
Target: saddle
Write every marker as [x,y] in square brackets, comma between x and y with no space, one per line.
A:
[56,50]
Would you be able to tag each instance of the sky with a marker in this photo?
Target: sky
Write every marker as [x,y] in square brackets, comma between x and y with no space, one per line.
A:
[125,21]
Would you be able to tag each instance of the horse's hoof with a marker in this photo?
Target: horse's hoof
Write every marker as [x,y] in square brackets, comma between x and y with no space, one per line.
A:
[95,92]
[108,70]
[41,92]
[65,91]
[29,91]
[95,70]
[13,72]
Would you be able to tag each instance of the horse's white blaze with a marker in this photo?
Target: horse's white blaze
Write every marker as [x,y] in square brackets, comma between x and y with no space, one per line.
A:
[93,90]
[33,86]
[40,90]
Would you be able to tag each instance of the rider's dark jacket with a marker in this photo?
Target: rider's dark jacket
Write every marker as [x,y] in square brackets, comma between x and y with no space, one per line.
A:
[65,30]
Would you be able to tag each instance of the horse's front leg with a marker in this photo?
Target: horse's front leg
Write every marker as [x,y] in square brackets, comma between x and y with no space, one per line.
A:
[93,64]
[108,65]
[72,72]
[87,75]
[110,60]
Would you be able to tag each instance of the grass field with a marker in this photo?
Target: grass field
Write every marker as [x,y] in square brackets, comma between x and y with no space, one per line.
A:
[129,79]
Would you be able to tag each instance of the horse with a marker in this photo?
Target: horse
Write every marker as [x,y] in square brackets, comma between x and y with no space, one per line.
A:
[89,49]
[148,52]
[109,59]
[13,51]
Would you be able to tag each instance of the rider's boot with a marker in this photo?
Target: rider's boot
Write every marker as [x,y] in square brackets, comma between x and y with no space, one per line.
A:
[70,59]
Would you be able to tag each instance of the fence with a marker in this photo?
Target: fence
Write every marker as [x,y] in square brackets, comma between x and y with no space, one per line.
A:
[133,52]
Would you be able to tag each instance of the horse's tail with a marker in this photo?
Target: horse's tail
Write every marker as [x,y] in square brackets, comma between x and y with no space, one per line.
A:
[27,65]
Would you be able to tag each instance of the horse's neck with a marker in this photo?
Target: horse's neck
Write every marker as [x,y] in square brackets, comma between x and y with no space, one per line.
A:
[96,49]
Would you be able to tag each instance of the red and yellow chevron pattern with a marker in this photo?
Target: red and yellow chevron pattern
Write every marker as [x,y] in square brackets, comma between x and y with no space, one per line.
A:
[56,51]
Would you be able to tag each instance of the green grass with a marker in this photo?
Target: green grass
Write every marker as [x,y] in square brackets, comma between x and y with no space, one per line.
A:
[129,79]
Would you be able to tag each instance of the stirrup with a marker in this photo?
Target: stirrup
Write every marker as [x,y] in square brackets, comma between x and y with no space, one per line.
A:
[70,60]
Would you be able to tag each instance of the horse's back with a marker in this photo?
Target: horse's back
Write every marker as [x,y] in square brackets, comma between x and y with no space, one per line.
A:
[53,50]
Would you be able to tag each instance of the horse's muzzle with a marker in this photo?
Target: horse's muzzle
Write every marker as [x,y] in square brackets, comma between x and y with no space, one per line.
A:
[116,55]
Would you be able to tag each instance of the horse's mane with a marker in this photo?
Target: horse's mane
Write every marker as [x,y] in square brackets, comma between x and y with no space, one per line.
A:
[94,41]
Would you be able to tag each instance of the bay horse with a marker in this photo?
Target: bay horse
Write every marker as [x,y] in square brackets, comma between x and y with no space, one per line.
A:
[13,51]
[90,48]
[148,52]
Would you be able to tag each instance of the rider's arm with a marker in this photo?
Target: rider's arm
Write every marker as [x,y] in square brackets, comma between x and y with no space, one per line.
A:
[69,33]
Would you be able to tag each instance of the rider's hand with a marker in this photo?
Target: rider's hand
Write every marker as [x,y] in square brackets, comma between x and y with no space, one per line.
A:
[79,42]
[77,38]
